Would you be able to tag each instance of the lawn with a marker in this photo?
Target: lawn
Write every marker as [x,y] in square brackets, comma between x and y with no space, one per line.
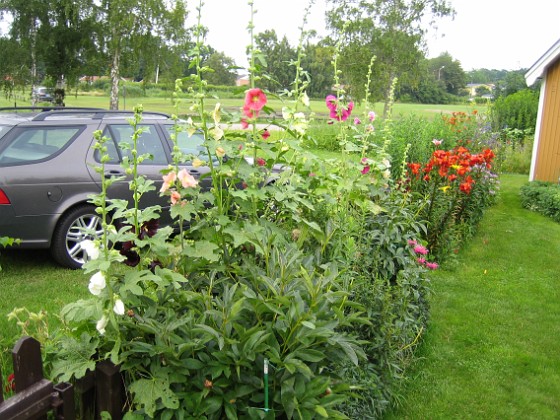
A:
[166,105]
[491,350]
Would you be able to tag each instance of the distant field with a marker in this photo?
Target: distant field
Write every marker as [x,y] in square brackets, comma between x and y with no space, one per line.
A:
[233,105]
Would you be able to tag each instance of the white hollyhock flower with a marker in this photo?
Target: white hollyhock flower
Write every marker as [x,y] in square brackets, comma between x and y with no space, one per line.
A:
[101,324]
[90,248]
[97,283]
[118,308]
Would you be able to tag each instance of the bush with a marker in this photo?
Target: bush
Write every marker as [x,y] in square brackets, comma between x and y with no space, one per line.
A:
[542,197]
[516,111]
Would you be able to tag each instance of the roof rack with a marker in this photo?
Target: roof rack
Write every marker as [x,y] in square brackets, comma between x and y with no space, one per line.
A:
[44,108]
[96,113]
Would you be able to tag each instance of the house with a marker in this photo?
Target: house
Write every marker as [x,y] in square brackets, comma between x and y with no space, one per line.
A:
[472,89]
[545,163]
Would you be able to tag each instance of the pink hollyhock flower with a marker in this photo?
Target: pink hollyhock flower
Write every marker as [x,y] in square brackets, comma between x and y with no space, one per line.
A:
[331,102]
[255,100]
[187,180]
[357,121]
[261,161]
[244,123]
[412,242]
[420,249]
[432,265]
[168,180]
[175,197]
[421,261]
[437,142]
[265,134]
[364,161]
[371,116]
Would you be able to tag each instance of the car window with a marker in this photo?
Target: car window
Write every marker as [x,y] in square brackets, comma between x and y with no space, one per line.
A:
[148,143]
[32,144]
[192,145]
[4,129]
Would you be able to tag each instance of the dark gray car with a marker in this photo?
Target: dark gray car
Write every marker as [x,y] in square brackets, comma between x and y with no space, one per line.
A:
[47,172]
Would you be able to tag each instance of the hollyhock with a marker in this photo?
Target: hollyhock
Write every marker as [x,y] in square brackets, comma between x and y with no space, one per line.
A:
[255,100]
[432,265]
[168,180]
[265,134]
[261,161]
[97,283]
[187,180]
[90,248]
[175,197]
[357,121]
[420,249]
[371,116]
[101,324]
[118,308]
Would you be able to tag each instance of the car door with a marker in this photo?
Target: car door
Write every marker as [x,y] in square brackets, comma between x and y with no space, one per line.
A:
[153,158]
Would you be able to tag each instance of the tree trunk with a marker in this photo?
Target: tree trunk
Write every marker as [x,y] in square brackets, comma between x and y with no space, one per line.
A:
[114,102]
[33,61]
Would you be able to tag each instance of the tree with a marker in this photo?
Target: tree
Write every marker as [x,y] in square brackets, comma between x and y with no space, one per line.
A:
[223,69]
[277,57]
[131,25]
[391,30]
[448,73]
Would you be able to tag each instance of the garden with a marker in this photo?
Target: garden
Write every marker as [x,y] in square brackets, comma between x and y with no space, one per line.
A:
[303,293]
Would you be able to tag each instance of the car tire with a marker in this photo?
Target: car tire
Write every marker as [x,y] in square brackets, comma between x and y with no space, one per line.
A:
[70,231]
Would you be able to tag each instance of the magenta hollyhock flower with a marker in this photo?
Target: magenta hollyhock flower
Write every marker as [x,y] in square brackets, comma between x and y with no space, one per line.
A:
[265,134]
[255,100]
[432,265]
[331,102]
[420,249]
[365,170]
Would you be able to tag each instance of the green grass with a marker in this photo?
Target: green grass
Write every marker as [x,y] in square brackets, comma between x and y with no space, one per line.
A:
[31,279]
[491,351]
[234,105]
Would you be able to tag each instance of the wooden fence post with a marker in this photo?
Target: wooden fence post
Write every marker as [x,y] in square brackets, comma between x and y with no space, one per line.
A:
[109,389]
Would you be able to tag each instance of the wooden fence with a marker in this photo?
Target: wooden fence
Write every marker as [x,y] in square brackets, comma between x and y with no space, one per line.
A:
[35,396]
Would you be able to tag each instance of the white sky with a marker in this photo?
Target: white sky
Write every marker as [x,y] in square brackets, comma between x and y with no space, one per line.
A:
[493,34]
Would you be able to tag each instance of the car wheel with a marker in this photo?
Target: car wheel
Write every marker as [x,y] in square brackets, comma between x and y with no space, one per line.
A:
[76,225]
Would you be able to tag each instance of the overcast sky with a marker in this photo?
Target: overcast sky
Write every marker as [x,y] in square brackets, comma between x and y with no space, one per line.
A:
[494,34]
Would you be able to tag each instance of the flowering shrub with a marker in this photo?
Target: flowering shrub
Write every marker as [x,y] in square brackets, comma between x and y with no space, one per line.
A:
[457,185]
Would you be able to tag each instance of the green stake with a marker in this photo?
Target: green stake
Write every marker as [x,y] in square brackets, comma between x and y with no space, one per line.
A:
[266,385]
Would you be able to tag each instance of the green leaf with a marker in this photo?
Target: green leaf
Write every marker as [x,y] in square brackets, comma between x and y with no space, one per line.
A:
[321,411]
[203,249]
[147,392]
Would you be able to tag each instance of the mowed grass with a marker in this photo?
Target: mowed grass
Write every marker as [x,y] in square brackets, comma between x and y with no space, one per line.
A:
[167,105]
[491,350]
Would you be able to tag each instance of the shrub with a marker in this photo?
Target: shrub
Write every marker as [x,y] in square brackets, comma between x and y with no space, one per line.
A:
[516,111]
[542,197]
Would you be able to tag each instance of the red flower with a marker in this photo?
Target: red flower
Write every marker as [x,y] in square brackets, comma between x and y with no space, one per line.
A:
[261,161]
[265,134]
[11,385]
[414,167]
[255,100]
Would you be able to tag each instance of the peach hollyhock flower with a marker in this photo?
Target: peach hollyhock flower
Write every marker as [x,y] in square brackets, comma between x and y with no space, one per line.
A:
[175,197]
[187,180]
[255,99]
[97,283]
[197,163]
[168,180]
